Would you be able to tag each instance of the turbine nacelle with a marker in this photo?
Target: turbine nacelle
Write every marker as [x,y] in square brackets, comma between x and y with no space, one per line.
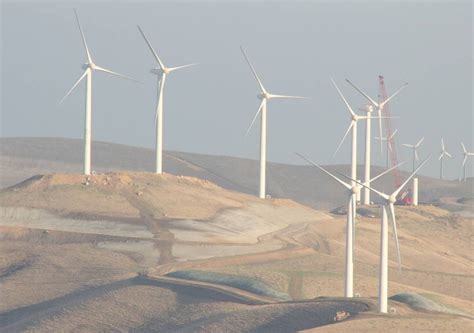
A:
[159,71]
[89,65]
[264,95]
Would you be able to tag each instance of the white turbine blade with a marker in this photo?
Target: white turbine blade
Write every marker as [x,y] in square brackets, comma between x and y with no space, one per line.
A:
[253,70]
[419,142]
[463,147]
[416,155]
[448,154]
[180,67]
[75,85]
[441,156]
[89,58]
[344,137]
[411,176]
[287,96]
[255,117]
[442,144]
[386,171]
[390,146]
[374,103]
[343,98]
[393,134]
[395,234]
[393,95]
[464,160]
[381,194]
[162,66]
[407,145]
[115,73]
[343,183]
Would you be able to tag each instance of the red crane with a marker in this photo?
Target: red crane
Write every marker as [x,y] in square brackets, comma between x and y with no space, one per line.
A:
[404,197]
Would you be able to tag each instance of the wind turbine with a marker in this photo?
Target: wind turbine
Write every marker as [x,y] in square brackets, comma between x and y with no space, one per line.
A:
[378,105]
[161,72]
[389,141]
[444,153]
[466,155]
[350,225]
[414,148]
[389,203]
[89,67]
[353,125]
[264,96]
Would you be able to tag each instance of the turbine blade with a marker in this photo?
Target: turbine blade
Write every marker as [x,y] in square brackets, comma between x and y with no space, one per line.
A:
[464,160]
[442,144]
[343,183]
[286,96]
[386,171]
[407,145]
[89,58]
[441,156]
[393,95]
[395,235]
[344,137]
[253,70]
[115,73]
[463,147]
[75,85]
[255,117]
[448,154]
[180,67]
[393,134]
[162,66]
[419,142]
[374,103]
[343,98]
[416,155]
[410,177]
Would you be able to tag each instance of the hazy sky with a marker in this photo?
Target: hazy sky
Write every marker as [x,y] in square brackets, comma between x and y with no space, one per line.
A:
[295,46]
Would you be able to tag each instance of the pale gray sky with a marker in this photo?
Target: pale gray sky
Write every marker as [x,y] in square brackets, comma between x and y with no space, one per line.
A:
[295,46]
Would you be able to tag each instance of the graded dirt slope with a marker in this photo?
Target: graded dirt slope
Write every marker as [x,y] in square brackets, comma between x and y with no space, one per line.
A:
[71,248]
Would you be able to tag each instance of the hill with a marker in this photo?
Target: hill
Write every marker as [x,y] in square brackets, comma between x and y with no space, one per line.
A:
[21,158]
[101,253]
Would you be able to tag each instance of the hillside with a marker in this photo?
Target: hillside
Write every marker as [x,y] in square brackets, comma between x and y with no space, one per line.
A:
[21,158]
[94,253]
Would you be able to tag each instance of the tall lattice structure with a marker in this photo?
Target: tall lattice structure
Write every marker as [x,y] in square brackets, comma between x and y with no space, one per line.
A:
[397,179]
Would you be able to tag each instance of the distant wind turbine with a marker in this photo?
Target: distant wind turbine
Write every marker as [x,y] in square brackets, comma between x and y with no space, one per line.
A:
[444,153]
[264,96]
[89,67]
[414,148]
[389,142]
[466,154]
[389,203]
[378,105]
[161,72]
[350,225]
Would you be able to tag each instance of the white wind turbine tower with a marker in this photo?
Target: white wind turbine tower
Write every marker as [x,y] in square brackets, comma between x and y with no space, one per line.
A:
[389,203]
[444,153]
[389,141]
[368,142]
[378,105]
[353,125]
[161,72]
[89,67]
[264,96]
[466,155]
[414,148]
[350,225]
